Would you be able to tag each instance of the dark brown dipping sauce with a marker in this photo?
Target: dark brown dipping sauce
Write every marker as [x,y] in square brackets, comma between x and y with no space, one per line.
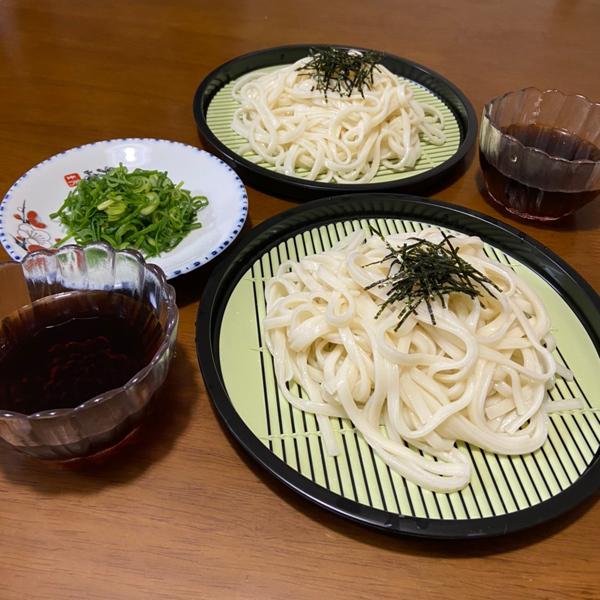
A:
[555,142]
[520,198]
[70,348]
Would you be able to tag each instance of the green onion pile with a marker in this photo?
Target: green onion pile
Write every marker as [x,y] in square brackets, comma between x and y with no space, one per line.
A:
[140,209]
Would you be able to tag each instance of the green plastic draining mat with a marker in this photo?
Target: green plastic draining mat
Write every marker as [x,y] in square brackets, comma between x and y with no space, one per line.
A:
[222,107]
[500,485]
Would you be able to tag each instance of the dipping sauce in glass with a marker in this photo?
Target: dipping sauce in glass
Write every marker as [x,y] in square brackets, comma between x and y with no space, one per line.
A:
[65,349]
[540,152]
[549,204]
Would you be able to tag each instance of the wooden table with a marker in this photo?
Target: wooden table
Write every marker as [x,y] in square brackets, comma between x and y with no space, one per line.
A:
[180,512]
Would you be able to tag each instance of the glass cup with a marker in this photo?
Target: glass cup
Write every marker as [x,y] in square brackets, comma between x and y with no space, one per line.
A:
[540,153]
[50,288]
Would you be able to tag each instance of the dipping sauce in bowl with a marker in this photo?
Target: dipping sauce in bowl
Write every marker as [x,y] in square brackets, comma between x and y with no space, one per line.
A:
[67,348]
[540,153]
[81,359]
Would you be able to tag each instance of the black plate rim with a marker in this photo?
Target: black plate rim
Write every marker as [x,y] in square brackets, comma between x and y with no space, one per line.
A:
[226,276]
[298,188]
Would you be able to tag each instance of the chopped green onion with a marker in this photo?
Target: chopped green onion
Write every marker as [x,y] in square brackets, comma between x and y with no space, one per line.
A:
[141,209]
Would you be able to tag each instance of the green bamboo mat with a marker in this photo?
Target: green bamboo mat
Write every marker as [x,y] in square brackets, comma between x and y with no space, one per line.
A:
[221,108]
[500,484]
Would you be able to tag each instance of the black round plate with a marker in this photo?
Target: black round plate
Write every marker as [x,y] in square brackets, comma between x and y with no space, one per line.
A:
[303,189]
[582,299]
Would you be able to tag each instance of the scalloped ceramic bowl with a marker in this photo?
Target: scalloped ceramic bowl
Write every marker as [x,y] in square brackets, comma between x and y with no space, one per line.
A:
[104,420]
[540,152]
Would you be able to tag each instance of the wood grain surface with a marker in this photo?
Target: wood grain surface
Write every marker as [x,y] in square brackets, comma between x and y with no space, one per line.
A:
[179,511]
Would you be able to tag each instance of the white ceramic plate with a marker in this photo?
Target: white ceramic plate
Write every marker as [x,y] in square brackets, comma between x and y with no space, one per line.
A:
[25,224]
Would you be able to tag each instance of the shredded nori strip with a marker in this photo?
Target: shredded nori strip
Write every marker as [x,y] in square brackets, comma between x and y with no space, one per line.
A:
[422,271]
[340,70]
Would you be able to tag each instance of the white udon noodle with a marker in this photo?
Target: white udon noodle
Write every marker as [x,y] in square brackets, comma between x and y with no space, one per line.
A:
[293,127]
[479,375]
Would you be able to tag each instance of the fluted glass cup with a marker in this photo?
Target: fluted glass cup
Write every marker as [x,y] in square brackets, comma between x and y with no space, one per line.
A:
[540,152]
[79,273]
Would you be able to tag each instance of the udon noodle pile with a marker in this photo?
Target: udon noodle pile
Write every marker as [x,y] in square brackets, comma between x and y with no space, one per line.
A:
[480,374]
[299,131]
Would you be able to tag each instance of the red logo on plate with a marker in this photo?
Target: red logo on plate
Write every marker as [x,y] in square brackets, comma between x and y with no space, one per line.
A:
[72,179]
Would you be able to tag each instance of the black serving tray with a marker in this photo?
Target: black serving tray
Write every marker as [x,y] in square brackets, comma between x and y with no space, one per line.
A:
[506,494]
[302,189]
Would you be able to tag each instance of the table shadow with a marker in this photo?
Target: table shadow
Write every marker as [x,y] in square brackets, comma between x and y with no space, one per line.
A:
[167,419]
[190,286]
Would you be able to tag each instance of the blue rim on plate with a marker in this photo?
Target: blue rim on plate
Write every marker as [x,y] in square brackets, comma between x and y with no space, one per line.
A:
[303,189]
[237,220]
[243,406]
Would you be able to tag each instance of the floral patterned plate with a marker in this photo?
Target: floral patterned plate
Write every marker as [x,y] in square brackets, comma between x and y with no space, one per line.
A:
[25,224]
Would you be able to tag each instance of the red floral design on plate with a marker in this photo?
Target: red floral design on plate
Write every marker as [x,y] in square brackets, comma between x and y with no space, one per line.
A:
[30,233]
